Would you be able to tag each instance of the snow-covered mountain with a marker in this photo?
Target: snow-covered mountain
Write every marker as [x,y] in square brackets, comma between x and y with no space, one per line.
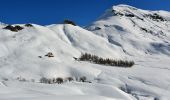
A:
[26,49]
[123,32]
[136,31]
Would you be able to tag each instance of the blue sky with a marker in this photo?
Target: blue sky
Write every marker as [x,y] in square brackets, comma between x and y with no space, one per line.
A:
[83,12]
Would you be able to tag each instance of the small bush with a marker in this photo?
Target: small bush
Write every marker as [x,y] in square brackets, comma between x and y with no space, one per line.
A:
[54,80]
[44,80]
[69,79]
[103,61]
[39,56]
[59,80]
[69,22]
[83,79]
[51,81]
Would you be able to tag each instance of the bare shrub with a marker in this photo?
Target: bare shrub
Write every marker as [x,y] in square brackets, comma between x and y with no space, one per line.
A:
[59,80]
[83,79]
[44,80]
[69,79]
[105,61]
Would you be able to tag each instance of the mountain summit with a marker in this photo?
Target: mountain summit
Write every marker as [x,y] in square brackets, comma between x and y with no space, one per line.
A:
[136,31]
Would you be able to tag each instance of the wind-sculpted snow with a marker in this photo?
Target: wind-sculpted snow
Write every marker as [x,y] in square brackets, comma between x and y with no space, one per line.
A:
[122,33]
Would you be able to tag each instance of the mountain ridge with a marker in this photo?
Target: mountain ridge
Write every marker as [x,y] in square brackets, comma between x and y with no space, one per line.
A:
[142,24]
[30,53]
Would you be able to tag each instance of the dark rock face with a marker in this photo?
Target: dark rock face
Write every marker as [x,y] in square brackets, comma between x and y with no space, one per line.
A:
[14,28]
[28,25]
[155,17]
[129,15]
[117,13]
[69,22]
[50,54]
[97,28]
[18,27]
[9,27]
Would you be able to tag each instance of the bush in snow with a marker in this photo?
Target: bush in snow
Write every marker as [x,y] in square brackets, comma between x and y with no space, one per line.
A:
[83,79]
[59,80]
[51,81]
[105,61]
[44,80]
[69,22]
[39,56]
[69,79]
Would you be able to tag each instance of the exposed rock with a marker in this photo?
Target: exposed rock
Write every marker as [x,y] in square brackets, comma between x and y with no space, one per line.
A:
[69,22]
[28,25]
[50,54]
[155,17]
[14,29]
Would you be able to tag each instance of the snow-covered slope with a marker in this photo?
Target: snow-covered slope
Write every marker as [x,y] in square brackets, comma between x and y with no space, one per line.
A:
[22,57]
[136,31]
[123,32]
[86,41]
[27,48]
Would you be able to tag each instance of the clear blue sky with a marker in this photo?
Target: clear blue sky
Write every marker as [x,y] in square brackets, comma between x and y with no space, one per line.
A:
[83,12]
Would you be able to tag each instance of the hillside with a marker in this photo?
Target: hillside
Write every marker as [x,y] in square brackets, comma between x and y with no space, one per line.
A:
[31,52]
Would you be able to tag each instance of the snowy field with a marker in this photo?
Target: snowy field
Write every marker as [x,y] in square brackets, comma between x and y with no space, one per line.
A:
[128,35]
[147,80]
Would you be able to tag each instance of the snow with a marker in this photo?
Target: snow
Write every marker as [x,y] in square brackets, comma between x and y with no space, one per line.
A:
[23,62]
[127,33]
